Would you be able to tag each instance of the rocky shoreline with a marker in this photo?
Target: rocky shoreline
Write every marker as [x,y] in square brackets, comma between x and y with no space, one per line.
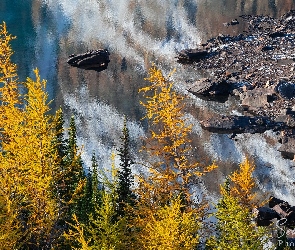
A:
[258,67]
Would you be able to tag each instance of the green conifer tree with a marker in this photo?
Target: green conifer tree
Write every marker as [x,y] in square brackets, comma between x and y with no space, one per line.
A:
[92,197]
[125,177]
[60,141]
[74,175]
[96,186]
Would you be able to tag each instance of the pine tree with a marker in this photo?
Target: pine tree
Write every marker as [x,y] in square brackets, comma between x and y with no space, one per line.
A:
[71,185]
[60,141]
[104,230]
[96,185]
[92,197]
[74,176]
[125,176]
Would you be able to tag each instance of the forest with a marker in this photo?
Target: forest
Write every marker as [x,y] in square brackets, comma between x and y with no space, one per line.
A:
[50,200]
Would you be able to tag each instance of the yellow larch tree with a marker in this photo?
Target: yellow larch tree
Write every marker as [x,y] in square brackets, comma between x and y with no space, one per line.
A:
[27,158]
[171,228]
[39,159]
[235,226]
[10,120]
[173,171]
[244,184]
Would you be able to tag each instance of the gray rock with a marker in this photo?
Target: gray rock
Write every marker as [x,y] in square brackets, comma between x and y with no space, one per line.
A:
[257,98]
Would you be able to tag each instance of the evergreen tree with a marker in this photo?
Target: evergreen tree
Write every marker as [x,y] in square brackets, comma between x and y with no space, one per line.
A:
[105,230]
[60,141]
[74,174]
[125,177]
[96,185]
[92,198]
[71,184]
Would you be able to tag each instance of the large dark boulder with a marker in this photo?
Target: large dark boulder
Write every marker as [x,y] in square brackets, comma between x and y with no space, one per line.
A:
[273,201]
[286,90]
[212,90]
[278,209]
[92,60]
[192,55]
[266,214]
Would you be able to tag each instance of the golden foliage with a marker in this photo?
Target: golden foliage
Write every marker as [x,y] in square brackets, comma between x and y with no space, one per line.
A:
[174,170]
[170,228]
[27,159]
[77,234]
[235,227]
[244,183]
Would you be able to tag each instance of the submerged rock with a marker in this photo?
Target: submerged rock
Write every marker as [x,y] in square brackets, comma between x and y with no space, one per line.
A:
[193,55]
[92,60]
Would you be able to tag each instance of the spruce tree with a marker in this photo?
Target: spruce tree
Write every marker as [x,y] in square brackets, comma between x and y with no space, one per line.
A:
[96,186]
[92,198]
[74,174]
[125,177]
[60,141]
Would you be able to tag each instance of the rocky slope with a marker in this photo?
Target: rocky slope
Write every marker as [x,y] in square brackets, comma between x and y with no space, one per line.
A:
[258,67]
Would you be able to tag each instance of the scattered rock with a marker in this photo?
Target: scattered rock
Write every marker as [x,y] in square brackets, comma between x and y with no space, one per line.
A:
[257,67]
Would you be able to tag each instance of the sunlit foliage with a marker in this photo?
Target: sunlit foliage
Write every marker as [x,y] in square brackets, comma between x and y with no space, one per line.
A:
[171,228]
[48,202]
[169,143]
[244,184]
[235,227]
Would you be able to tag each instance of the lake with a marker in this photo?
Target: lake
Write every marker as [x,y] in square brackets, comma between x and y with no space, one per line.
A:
[138,33]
